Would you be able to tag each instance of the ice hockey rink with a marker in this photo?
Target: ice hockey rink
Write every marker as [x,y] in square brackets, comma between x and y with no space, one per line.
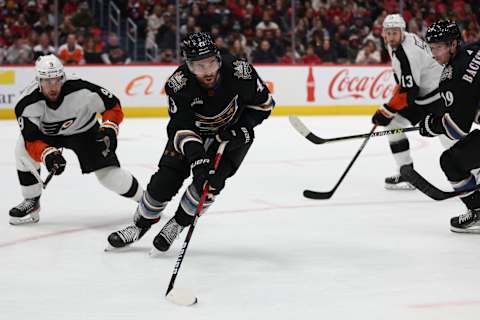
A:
[261,252]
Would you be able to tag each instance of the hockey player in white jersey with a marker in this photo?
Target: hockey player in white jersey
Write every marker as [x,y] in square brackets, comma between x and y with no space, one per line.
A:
[417,76]
[58,112]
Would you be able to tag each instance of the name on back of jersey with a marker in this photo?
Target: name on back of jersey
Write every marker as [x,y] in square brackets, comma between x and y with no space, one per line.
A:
[472,68]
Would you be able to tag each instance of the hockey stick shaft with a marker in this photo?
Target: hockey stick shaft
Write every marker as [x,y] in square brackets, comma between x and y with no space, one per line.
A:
[183,251]
[327,195]
[417,180]
[310,136]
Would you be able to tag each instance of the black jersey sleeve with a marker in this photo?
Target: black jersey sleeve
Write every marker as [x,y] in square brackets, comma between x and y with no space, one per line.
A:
[462,105]
[408,83]
[29,124]
[181,127]
[261,104]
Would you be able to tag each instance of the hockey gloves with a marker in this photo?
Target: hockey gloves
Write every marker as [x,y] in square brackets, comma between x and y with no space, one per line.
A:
[54,161]
[429,127]
[383,116]
[107,138]
[202,168]
[236,136]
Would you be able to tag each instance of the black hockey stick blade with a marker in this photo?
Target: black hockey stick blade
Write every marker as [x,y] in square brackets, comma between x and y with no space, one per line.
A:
[427,188]
[304,131]
[317,195]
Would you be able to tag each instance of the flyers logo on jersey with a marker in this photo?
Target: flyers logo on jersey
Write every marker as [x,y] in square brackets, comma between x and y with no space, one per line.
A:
[54,128]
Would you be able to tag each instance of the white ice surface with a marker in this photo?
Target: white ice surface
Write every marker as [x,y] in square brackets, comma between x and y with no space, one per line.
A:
[261,252]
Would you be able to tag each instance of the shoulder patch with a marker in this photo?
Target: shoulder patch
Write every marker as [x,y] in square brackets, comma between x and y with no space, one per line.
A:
[177,81]
[243,70]
[447,73]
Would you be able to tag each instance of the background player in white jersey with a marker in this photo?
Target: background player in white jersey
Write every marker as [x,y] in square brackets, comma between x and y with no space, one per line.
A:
[417,76]
[57,112]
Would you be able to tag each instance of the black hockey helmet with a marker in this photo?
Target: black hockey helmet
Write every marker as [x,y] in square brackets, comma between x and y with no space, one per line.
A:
[443,31]
[199,45]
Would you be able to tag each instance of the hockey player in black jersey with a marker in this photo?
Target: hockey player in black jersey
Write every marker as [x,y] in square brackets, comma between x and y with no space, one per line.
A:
[211,98]
[417,75]
[460,90]
[57,111]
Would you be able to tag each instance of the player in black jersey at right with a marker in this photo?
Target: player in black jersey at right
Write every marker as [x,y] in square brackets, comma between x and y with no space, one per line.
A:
[211,98]
[460,90]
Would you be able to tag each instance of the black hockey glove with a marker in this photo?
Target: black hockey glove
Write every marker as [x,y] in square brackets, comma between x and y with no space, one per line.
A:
[383,116]
[429,127]
[236,136]
[202,170]
[54,161]
[107,138]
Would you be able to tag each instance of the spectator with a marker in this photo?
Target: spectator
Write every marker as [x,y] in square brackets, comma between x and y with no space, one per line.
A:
[369,54]
[310,57]
[92,53]
[114,54]
[82,17]
[43,48]
[375,35]
[238,50]
[19,52]
[154,21]
[326,52]
[267,23]
[221,45]
[264,54]
[71,52]
[166,56]
[42,25]
[21,28]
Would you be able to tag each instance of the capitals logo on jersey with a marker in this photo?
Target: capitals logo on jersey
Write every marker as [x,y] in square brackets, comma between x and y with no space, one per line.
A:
[447,73]
[243,70]
[177,81]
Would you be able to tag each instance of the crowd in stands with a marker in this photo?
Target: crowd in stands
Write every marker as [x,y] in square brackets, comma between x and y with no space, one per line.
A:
[261,31]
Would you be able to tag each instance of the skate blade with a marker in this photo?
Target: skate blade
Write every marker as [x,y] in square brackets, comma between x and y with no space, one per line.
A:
[472,230]
[400,186]
[110,248]
[28,219]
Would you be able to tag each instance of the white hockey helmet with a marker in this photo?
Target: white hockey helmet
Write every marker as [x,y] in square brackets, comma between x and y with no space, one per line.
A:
[49,67]
[394,21]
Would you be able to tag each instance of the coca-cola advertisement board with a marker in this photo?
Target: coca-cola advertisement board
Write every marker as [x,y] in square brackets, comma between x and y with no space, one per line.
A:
[296,89]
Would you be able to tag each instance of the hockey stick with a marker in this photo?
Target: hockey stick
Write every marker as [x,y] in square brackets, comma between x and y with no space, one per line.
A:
[427,188]
[304,131]
[36,174]
[178,296]
[327,195]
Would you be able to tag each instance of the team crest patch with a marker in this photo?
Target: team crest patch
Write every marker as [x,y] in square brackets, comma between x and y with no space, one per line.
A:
[243,70]
[447,73]
[177,81]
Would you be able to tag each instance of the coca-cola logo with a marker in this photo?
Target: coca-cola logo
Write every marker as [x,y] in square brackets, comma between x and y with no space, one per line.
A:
[379,86]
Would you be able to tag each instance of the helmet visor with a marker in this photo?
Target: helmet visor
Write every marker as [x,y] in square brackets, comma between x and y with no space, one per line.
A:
[205,66]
